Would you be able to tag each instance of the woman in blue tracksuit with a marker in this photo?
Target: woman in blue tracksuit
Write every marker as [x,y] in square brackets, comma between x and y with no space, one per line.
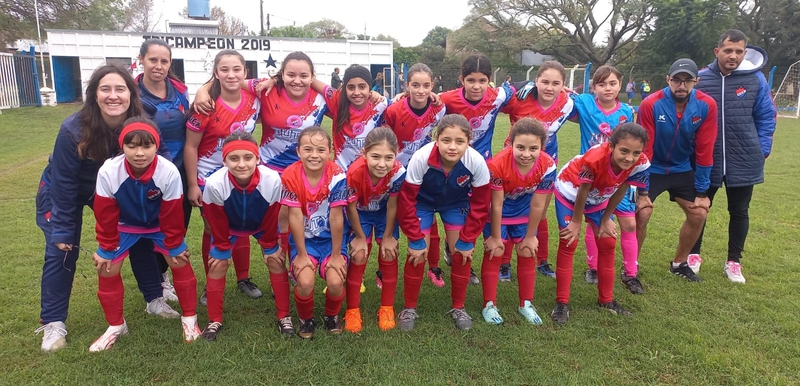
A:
[165,101]
[86,139]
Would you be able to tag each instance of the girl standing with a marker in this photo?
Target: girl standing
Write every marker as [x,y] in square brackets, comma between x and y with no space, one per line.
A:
[375,180]
[451,178]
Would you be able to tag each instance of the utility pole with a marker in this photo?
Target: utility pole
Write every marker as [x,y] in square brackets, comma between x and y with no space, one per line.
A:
[41,50]
[263,33]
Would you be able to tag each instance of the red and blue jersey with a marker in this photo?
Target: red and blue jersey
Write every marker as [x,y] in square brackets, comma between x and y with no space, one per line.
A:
[429,187]
[596,123]
[371,197]
[348,141]
[232,210]
[594,167]
[552,117]
[481,116]
[150,203]
[413,131]
[219,124]
[518,189]
[316,202]
[282,120]
[675,138]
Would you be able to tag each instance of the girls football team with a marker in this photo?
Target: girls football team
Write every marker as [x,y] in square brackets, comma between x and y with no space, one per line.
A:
[321,212]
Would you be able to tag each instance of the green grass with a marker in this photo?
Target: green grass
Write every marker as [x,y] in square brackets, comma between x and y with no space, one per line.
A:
[712,332]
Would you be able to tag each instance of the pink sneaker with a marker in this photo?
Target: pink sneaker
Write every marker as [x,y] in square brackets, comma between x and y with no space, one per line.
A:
[694,262]
[435,274]
[733,271]
[379,279]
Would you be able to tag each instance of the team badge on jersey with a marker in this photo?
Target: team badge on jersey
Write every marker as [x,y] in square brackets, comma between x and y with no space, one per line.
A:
[696,120]
[153,194]
[741,91]
[462,180]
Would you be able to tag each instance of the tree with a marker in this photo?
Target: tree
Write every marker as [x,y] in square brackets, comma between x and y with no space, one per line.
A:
[327,29]
[406,55]
[577,31]
[389,38]
[291,31]
[773,25]
[437,37]
[139,16]
[228,25]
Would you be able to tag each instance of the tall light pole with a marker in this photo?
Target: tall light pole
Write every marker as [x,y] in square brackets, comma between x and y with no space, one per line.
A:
[263,33]
[41,51]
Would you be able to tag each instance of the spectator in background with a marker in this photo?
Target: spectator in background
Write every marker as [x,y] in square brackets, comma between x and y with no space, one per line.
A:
[507,81]
[401,82]
[645,88]
[630,89]
[377,84]
[336,81]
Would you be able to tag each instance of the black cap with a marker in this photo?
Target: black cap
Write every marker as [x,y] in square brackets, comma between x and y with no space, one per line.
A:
[684,65]
[356,71]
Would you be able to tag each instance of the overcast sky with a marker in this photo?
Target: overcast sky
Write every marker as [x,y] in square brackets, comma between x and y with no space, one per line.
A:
[408,21]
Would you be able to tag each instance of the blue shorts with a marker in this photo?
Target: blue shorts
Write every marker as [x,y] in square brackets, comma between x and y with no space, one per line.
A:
[319,250]
[375,222]
[217,254]
[564,215]
[514,233]
[453,219]
[126,241]
[627,207]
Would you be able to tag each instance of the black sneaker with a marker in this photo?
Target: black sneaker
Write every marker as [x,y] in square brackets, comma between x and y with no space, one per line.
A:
[505,272]
[448,258]
[632,283]
[591,276]
[560,314]
[307,327]
[473,278]
[683,270]
[546,270]
[211,331]
[615,308]
[249,288]
[332,324]
[285,326]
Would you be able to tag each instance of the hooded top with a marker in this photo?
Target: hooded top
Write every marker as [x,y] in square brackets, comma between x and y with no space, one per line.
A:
[746,116]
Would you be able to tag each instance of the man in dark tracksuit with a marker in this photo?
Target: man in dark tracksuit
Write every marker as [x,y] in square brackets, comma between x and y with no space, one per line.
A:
[744,141]
[681,126]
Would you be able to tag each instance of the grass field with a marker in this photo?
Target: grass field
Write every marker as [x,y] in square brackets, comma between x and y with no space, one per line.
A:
[712,332]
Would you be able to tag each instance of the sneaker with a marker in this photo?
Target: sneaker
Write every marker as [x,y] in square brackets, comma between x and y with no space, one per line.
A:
[407,319]
[285,326]
[490,314]
[591,276]
[528,311]
[203,298]
[461,318]
[352,320]
[546,270]
[190,329]
[734,272]
[55,336]
[448,258]
[615,308]
[107,340]
[307,327]
[160,307]
[333,324]
[167,288]
[683,270]
[435,274]
[379,279]
[505,272]
[211,331]
[386,318]
[694,262]
[560,314]
[632,283]
[249,288]
[473,278]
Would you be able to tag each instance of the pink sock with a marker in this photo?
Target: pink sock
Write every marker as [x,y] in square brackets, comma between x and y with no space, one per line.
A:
[591,248]
[630,253]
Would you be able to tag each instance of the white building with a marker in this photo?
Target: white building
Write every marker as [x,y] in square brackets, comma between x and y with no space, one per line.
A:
[76,54]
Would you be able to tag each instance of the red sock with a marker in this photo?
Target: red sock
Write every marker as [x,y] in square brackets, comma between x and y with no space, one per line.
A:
[526,274]
[459,279]
[606,247]
[333,304]
[285,243]
[506,258]
[215,295]
[206,249]
[434,251]
[305,306]
[564,270]
[412,281]
[241,257]
[389,270]
[543,235]
[355,273]
[280,287]
[111,293]
[490,277]
[186,288]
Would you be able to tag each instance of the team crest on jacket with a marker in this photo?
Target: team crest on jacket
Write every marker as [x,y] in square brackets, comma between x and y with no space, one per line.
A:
[312,207]
[696,120]
[622,119]
[462,180]
[153,194]
[741,91]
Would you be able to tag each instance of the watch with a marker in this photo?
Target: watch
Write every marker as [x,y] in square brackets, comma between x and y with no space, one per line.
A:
[701,195]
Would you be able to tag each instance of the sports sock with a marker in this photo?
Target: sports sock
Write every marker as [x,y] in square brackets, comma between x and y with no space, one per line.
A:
[241,257]
[459,279]
[412,280]
[280,287]
[543,235]
[490,277]
[630,253]
[186,288]
[333,304]
[111,293]
[564,270]
[355,274]
[605,268]
[389,270]
[215,295]
[526,275]
[305,305]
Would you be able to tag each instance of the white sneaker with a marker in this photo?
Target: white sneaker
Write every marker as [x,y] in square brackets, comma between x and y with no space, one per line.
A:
[734,272]
[107,340]
[694,262]
[190,329]
[168,288]
[160,307]
[55,336]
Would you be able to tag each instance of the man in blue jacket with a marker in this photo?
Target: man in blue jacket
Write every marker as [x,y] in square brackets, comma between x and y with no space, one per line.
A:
[681,125]
[744,140]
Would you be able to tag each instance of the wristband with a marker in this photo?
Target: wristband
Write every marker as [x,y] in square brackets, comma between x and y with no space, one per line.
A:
[643,193]
[701,195]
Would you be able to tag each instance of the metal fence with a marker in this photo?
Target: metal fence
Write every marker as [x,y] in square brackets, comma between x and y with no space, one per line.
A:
[19,81]
[9,94]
